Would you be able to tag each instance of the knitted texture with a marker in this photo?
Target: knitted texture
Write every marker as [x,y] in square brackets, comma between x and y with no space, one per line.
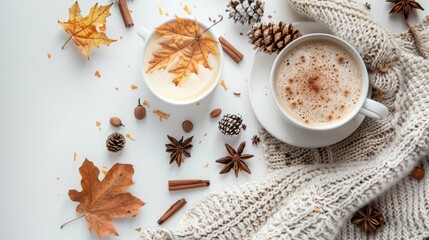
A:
[312,193]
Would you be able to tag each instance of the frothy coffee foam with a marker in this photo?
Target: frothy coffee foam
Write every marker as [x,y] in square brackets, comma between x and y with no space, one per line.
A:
[193,88]
[318,83]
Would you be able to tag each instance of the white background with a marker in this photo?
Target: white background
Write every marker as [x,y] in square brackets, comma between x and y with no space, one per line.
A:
[49,108]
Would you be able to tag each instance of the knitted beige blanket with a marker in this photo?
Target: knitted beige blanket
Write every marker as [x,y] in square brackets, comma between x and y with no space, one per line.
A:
[312,193]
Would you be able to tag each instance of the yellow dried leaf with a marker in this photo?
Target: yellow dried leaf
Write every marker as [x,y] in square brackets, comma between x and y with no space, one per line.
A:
[83,30]
[134,87]
[223,84]
[161,115]
[104,172]
[129,137]
[160,10]
[187,43]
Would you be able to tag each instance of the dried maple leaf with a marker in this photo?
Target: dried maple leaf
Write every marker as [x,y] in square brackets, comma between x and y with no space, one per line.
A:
[101,201]
[188,43]
[83,30]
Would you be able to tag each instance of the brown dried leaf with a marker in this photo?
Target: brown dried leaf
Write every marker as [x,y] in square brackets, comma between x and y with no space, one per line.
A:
[101,201]
[161,115]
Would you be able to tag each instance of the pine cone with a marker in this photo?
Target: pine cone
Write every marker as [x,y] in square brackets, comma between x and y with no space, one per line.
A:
[272,38]
[246,11]
[115,142]
[230,124]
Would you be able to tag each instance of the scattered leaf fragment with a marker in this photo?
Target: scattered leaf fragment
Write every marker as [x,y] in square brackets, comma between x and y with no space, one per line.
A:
[83,30]
[139,229]
[97,74]
[160,10]
[205,134]
[186,46]
[117,88]
[102,27]
[101,201]
[104,172]
[120,37]
[187,10]
[58,178]
[97,123]
[161,115]
[237,94]
[134,87]
[74,156]
[49,55]
[317,210]
[129,137]
[166,14]
[206,165]
[146,103]
[223,84]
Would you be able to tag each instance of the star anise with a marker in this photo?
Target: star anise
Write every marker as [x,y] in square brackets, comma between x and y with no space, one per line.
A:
[235,160]
[178,148]
[405,6]
[255,140]
[369,218]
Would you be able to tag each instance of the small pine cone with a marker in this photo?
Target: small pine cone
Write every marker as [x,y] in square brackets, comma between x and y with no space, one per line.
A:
[230,124]
[272,38]
[246,11]
[115,142]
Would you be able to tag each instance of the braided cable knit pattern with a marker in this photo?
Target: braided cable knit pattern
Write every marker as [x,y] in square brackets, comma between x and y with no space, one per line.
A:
[312,193]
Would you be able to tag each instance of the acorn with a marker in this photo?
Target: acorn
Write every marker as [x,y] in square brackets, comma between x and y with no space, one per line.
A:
[140,111]
[116,122]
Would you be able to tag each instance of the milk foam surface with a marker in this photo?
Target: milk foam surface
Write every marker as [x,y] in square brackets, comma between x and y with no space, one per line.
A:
[194,87]
[318,83]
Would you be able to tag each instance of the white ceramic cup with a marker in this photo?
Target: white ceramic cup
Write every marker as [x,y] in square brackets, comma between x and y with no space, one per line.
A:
[147,35]
[365,106]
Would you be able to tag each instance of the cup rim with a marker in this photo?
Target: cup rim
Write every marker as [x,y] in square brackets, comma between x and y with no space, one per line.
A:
[202,96]
[347,47]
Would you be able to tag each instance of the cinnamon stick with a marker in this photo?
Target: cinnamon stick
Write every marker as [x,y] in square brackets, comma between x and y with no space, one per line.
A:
[125,12]
[176,185]
[229,49]
[172,210]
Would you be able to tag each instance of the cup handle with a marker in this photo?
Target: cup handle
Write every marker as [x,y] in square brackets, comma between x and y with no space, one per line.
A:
[373,109]
[143,33]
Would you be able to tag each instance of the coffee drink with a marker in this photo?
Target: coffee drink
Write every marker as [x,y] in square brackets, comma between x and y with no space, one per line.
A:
[318,82]
[193,88]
